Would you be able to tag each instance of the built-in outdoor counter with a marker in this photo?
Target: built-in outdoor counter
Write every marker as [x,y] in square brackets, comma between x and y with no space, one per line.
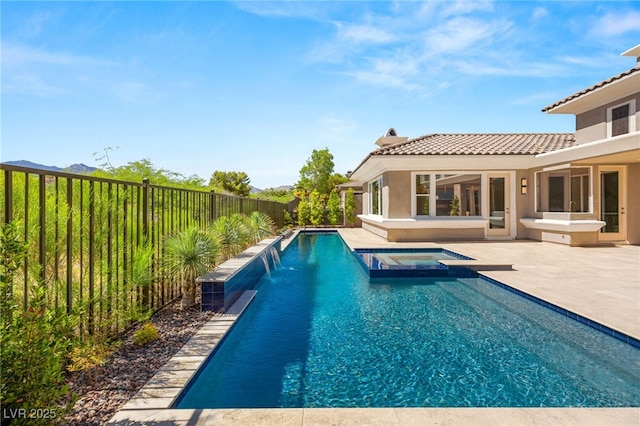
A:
[220,288]
[568,230]
[412,229]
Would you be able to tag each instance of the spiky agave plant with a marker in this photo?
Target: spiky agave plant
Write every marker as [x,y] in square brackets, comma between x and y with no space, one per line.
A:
[187,255]
[232,234]
[260,226]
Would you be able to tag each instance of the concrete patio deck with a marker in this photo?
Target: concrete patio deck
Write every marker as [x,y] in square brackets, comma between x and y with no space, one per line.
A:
[600,283]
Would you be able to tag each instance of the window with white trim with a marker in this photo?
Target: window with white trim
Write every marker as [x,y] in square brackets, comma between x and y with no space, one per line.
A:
[375,197]
[621,119]
[423,190]
[566,190]
[457,195]
[447,195]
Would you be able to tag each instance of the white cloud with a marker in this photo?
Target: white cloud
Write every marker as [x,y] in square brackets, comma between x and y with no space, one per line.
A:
[405,46]
[28,83]
[588,61]
[456,8]
[363,34]
[461,33]
[285,9]
[539,13]
[535,99]
[15,54]
[614,24]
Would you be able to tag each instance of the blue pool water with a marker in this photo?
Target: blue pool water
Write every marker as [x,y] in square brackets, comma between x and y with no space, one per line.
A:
[405,258]
[404,263]
[319,333]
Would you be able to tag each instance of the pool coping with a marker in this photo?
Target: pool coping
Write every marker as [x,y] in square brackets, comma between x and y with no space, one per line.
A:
[153,402]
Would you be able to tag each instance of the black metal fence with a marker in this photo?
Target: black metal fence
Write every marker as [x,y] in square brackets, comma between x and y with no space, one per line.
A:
[96,243]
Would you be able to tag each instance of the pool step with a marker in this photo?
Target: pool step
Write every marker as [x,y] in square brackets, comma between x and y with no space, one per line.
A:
[243,301]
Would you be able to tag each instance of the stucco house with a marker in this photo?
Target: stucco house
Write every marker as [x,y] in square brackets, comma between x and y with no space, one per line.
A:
[579,188]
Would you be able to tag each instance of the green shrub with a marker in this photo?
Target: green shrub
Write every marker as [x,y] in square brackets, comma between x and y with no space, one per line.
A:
[288,221]
[33,341]
[147,334]
[333,205]
[350,207]
[304,210]
[86,356]
[232,234]
[317,208]
[192,252]
[260,226]
[34,344]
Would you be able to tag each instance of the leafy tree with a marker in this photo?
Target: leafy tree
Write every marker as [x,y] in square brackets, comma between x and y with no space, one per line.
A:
[316,201]
[279,195]
[333,205]
[350,207]
[317,173]
[234,182]
[336,179]
[304,210]
[136,171]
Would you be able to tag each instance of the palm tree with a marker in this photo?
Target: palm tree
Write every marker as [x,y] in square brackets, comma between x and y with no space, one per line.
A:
[260,226]
[188,255]
[232,234]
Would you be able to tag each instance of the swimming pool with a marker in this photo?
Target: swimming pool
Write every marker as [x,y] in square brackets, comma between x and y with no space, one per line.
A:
[319,333]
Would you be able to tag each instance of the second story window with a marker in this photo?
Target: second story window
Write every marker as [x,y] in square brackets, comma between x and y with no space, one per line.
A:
[620,120]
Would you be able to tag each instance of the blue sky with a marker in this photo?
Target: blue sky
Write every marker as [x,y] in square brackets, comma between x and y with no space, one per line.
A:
[256,86]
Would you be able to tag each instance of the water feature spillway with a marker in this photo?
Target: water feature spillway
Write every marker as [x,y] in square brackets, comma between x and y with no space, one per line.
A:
[221,287]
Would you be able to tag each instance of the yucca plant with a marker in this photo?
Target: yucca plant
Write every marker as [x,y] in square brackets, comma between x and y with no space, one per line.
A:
[187,255]
[260,226]
[232,234]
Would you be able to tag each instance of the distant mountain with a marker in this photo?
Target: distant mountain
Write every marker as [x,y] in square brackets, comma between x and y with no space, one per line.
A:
[80,168]
[77,168]
[281,188]
[255,190]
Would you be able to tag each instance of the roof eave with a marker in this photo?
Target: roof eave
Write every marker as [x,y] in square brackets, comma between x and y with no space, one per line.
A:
[597,96]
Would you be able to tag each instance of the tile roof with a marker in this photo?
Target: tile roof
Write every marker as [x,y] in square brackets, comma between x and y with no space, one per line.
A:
[480,144]
[591,89]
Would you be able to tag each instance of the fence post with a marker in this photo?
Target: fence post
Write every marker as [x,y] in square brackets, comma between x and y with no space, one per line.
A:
[42,197]
[212,206]
[92,254]
[8,196]
[69,246]
[146,214]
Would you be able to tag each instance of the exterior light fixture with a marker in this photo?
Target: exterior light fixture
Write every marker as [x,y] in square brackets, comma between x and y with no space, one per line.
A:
[523,185]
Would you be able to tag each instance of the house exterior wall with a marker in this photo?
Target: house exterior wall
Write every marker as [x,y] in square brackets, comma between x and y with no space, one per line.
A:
[523,201]
[592,125]
[427,234]
[397,202]
[399,194]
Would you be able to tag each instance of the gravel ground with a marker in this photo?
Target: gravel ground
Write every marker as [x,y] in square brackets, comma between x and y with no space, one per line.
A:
[131,366]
